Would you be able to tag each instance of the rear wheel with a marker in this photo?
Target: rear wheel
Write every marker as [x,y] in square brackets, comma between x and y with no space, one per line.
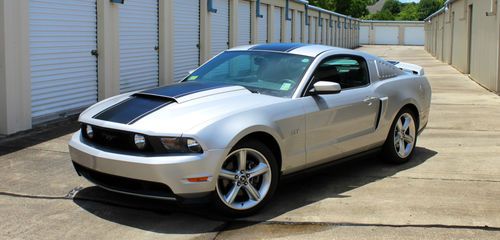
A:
[400,143]
[247,179]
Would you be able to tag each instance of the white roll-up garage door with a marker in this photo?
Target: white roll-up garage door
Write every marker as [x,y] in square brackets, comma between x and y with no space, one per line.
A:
[186,37]
[386,35]
[320,32]
[414,36]
[324,32]
[219,27]
[313,27]
[138,45]
[298,27]
[306,30]
[342,32]
[262,21]
[339,33]
[364,35]
[277,24]
[288,27]
[63,71]
[243,22]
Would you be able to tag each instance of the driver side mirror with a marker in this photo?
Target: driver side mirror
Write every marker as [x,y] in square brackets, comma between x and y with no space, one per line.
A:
[324,87]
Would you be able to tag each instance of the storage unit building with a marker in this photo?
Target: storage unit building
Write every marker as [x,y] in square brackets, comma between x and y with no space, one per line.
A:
[59,57]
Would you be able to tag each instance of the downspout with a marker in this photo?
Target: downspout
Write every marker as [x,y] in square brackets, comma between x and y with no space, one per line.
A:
[493,8]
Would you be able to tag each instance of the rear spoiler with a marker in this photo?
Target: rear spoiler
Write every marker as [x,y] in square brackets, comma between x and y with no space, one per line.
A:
[408,67]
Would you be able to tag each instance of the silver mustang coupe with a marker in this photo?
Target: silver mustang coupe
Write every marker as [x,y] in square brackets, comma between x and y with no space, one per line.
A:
[239,122]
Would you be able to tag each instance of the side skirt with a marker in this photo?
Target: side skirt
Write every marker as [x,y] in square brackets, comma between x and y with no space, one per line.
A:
[330,164]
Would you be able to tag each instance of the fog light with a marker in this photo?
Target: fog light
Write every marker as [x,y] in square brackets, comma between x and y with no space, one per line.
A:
[140,141]
[89,131]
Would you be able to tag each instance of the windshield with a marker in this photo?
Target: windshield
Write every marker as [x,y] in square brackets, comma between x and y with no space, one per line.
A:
[270,73]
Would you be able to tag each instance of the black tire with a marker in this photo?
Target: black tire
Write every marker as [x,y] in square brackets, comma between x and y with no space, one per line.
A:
[223,207]
[390,150]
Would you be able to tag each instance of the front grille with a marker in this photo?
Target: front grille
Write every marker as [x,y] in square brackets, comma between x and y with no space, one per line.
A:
[116,140]
[123,184]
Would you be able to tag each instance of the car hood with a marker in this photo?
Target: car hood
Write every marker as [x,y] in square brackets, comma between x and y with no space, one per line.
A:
[174,109]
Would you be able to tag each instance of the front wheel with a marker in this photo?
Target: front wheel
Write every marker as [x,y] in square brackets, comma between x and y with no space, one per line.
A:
[400,143]
[247,179]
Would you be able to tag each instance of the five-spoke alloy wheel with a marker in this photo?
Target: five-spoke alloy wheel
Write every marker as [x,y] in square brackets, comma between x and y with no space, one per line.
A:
[402,138]
[247,179]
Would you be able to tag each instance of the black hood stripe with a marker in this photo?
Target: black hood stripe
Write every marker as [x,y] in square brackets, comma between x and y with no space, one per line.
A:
[143,103]
[132,109]
[181,89]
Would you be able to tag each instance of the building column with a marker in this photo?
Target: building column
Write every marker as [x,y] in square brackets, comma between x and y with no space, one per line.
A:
[15,75]
[108,46]
[204,32]
[166,45]
[270,23]
[254,25]
[371,35]
[401,36]
[283,25]
[233,23]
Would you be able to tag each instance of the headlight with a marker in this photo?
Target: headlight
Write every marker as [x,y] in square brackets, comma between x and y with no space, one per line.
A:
[140,141]
[181,145]
[89,131]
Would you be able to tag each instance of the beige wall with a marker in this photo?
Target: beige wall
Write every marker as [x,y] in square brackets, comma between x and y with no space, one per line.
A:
[15,79]
[481,59]
[15,84]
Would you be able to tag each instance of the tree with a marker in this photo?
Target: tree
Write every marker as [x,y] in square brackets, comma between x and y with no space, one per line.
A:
[357,8]
[354,8]
[393,6]
[427,7]
[382,15]
[409,12]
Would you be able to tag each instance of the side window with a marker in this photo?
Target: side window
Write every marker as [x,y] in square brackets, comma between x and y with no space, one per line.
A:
[348,71]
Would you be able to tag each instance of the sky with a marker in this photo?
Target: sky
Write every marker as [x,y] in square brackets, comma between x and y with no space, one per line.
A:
[405,1]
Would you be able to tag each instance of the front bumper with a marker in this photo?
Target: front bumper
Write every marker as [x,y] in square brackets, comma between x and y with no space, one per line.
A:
[99,165]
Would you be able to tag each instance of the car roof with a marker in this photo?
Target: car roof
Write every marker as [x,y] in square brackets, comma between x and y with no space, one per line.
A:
[310,50]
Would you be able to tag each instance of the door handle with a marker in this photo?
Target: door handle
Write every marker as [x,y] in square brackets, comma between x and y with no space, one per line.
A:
[369,99]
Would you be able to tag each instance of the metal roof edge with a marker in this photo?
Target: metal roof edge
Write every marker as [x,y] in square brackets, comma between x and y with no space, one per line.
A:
[440,10]
[389,21]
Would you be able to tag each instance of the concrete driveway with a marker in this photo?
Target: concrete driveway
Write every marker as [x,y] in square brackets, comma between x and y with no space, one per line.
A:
[450,190]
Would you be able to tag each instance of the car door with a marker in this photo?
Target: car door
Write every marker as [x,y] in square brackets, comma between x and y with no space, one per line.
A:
[340,124]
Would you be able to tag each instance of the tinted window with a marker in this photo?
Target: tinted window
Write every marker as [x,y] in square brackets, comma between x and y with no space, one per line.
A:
[271,73]
[348,71]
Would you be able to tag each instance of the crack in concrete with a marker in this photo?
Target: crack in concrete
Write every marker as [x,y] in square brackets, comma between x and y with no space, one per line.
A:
[423,178]
[353,224]
[69,196]
[467,104]
[227,224]
[465,130]
[47,150]
[17,195]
